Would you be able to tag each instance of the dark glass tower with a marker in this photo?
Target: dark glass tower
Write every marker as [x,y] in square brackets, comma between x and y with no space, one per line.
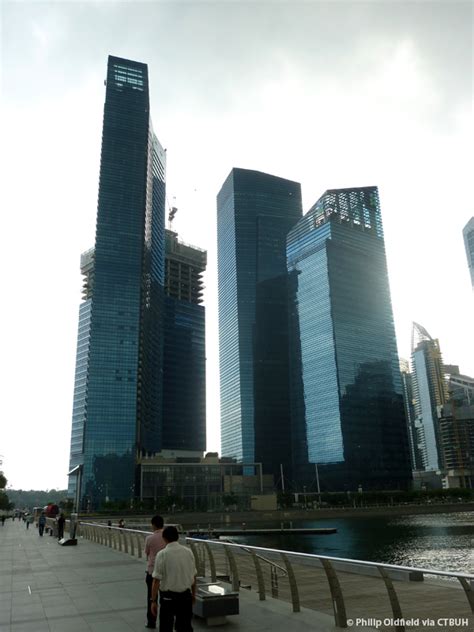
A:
[347,406]
[184,359]
[255,211]
[121,380]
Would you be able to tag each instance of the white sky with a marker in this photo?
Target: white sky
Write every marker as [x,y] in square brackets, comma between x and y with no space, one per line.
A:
[330,94]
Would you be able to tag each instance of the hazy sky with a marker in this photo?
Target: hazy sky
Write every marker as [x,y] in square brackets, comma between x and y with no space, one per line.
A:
[330,94]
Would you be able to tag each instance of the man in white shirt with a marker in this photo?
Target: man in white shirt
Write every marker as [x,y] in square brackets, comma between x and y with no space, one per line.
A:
[153,544]
[174,576]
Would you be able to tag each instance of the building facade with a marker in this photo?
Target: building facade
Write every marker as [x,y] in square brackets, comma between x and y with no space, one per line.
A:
[429,393]
[456,430]
[200,483]
[407,386]
[255,211]
[184,355]
[468,235]
[119,387]
[347,411]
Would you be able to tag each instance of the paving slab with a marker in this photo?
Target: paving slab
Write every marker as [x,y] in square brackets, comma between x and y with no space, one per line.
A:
[45,587]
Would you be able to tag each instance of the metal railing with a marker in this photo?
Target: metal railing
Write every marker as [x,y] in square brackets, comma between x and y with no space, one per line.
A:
[331,566]
[231,562]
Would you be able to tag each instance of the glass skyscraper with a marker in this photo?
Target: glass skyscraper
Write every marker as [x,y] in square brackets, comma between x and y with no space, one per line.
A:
[118,389]
[347,406]
[184,358]
[429,393]
[255,211]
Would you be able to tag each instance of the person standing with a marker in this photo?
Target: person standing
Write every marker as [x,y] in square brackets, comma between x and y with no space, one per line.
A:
[61,522]
[174,576]
[41,523]
[153,544]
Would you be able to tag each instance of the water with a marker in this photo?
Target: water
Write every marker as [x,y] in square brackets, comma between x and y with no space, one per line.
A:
[438,541]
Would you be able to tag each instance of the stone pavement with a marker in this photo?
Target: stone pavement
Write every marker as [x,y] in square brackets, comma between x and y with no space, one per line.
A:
[45,587]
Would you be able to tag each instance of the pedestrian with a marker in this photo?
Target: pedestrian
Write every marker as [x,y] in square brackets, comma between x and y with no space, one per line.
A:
[3,521]
[121,523]
[28,519]
[153,544]
[109,523]
[174,576]
[61,522]
[41,523]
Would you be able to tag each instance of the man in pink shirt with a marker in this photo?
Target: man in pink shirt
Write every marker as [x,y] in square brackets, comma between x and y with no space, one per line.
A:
[153,544]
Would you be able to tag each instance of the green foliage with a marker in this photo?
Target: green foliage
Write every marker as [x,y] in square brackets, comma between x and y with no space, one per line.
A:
[371,498]
[285,499]
[5,504]
[32,498]
[229,499]
[3,481]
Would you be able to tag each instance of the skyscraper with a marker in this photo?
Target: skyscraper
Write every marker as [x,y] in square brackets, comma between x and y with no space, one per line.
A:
[255,211]
[346,394]
[118,389]
[184,359]
[468,234]
[407,386]
[429,392]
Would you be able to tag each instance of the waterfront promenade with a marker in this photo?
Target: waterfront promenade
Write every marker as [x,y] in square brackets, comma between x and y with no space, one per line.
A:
[45,587]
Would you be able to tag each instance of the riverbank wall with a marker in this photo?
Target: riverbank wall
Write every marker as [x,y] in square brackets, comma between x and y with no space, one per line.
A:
[204,519]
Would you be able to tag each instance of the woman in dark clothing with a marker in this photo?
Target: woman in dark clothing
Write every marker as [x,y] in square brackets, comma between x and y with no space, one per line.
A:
[41,523]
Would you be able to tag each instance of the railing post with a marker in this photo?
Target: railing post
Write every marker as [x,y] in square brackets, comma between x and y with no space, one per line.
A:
[119,532]
[260,580]
[468,590]
[109,537]
[338,605]
[295,597]
[274,581]
[392,595]
[234,573]
[212,563]
[139,545]
[197,559]
[125,540]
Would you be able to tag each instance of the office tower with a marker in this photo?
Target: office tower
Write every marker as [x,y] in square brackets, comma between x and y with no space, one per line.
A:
[407,387]
[347,408]
[120,382]
[468,234]
[255,211]
[430,392]
[184,358]
[79,407]
[456,431]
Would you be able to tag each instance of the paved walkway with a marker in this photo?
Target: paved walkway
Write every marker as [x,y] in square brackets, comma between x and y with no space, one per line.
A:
[47,587]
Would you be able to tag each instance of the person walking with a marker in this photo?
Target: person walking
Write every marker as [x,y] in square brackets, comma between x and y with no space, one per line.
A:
[174,576]
[3,520]
[153,544]
[61,520]
[41,523]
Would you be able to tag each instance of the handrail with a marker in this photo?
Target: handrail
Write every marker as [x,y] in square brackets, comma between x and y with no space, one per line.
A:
[122,538]
[260,557]
[106,526]
[376,565]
